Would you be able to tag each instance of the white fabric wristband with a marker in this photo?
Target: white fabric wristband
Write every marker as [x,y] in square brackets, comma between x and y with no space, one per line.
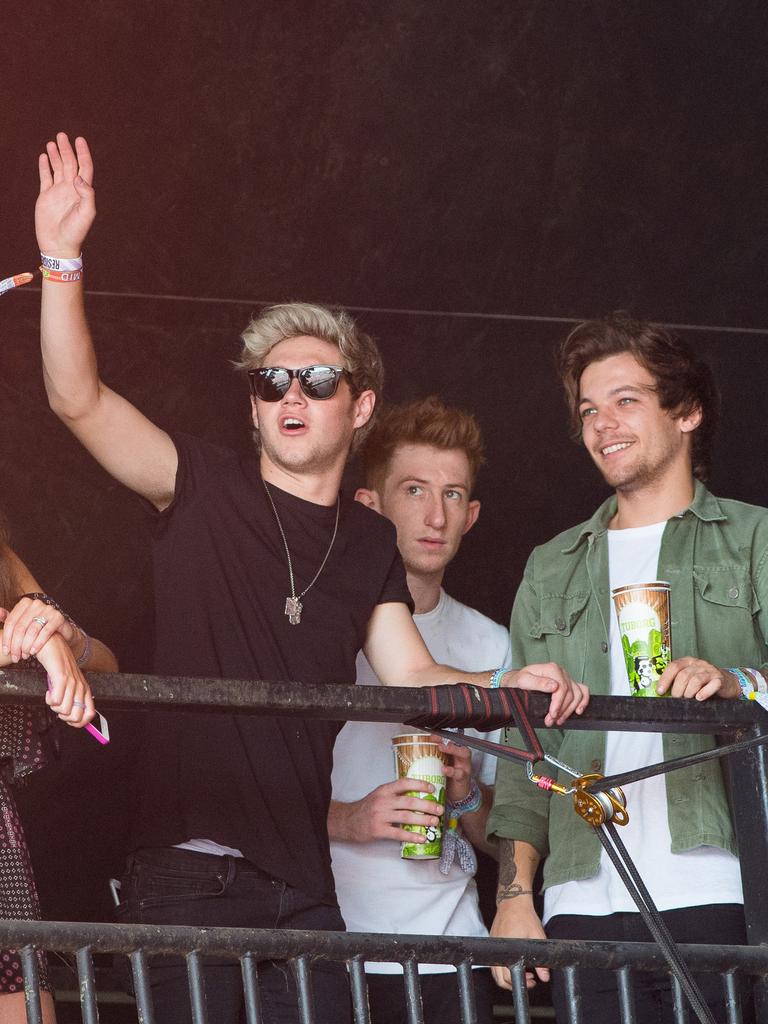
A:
[58,263]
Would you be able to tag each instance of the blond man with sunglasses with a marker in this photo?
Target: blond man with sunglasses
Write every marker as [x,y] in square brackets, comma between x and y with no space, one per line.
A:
[262,571]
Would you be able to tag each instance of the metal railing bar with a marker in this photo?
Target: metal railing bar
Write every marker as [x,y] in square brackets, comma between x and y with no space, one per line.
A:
[520,993]
[732,998]
[626,989]
[572,994]
[371,703]
[251,993]
[29,966]
[304,989]
[87,984]
[273,944]
[466,988]
[679,1003]
[359,990]
[413,1004]
[141,989]
[196,987]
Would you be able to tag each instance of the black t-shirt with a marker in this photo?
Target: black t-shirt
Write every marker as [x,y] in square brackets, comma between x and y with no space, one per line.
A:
[258,784]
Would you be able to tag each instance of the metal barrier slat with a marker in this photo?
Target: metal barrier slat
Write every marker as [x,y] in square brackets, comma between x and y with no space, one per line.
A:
[34,1005]
[251,993]
[359,990]
[304,990]
[520,993]
[196,988]
[626,987]
[467,1004]
[88,1005]
[141,989]
[413,1004]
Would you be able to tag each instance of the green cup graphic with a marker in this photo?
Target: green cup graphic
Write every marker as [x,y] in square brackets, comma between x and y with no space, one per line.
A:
[421,759]
[642,611]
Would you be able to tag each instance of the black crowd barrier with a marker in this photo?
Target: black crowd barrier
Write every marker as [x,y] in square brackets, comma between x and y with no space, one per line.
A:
[730,720]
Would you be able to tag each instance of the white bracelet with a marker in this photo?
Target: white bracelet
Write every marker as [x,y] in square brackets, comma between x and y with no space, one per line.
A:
[59,264]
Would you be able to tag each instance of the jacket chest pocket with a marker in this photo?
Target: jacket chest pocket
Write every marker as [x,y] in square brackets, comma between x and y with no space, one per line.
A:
[727,587]
[559,615]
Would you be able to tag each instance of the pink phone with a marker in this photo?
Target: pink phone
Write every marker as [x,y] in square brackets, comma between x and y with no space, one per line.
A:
[98,728]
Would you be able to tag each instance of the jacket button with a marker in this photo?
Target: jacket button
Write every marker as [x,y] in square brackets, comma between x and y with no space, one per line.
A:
[604,647]
[560,623]
[733,593]
[596,765]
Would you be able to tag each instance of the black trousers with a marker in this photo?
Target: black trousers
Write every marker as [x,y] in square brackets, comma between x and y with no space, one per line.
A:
[439,996]
[718,923]
[169,886]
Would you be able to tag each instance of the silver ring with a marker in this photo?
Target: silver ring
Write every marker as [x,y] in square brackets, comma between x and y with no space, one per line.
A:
[40,619]
[77,704]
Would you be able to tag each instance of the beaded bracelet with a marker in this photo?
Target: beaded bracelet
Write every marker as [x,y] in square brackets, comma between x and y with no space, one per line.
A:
[471,802]
[496,678]
[746,684]
[85,655]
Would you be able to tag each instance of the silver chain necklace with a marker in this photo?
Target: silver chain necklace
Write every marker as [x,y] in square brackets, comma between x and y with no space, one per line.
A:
[293,605]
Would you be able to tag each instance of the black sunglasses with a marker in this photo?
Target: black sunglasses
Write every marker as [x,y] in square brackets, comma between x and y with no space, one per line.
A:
[271,383]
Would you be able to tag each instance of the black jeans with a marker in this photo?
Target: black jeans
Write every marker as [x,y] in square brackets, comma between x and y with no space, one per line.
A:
[175,887]
[719,923]
[439,996]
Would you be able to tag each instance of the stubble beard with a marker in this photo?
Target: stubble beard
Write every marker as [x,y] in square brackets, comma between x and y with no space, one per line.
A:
[644,473]
[319,458]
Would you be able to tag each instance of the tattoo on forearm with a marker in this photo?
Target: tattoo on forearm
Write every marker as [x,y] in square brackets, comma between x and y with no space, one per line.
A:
[508,888]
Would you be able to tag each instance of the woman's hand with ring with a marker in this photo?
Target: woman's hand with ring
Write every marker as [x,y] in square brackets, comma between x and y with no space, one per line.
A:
[30,625]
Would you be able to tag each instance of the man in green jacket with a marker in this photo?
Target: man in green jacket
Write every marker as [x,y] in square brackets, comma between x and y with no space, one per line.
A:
[645,408]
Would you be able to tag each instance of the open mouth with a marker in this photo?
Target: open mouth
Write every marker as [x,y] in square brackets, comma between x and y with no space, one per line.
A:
[292,424]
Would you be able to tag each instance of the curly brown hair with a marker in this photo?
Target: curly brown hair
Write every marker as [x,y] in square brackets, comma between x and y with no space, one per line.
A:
[684,382]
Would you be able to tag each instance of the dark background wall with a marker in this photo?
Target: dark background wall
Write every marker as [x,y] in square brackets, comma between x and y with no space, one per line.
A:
[468,178]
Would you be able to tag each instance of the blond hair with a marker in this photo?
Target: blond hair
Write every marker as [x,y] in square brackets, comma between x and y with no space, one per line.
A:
[359,353]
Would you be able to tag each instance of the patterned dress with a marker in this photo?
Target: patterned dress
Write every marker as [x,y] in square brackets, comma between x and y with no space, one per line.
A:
[21,753]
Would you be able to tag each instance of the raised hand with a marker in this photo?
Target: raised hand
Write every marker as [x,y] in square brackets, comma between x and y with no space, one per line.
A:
[66,206]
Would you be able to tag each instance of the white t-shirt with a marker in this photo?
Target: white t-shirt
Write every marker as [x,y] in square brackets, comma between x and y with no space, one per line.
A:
[379,891]
[690,879]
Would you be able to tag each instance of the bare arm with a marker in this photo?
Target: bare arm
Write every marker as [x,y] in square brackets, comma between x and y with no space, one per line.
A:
[399,657]
[516,917]
[24,634]
[122,439]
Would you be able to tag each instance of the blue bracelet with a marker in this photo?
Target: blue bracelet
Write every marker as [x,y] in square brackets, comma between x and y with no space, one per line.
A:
[496,678]
[747,685]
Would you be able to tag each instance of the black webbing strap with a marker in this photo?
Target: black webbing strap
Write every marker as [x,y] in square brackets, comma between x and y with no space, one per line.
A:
[617,852]
[460,705]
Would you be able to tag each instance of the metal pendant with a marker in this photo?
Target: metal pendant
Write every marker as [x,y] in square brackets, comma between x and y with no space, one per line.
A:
[293,608]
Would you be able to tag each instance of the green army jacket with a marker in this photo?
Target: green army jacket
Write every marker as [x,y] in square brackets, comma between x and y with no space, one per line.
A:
[715,555]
